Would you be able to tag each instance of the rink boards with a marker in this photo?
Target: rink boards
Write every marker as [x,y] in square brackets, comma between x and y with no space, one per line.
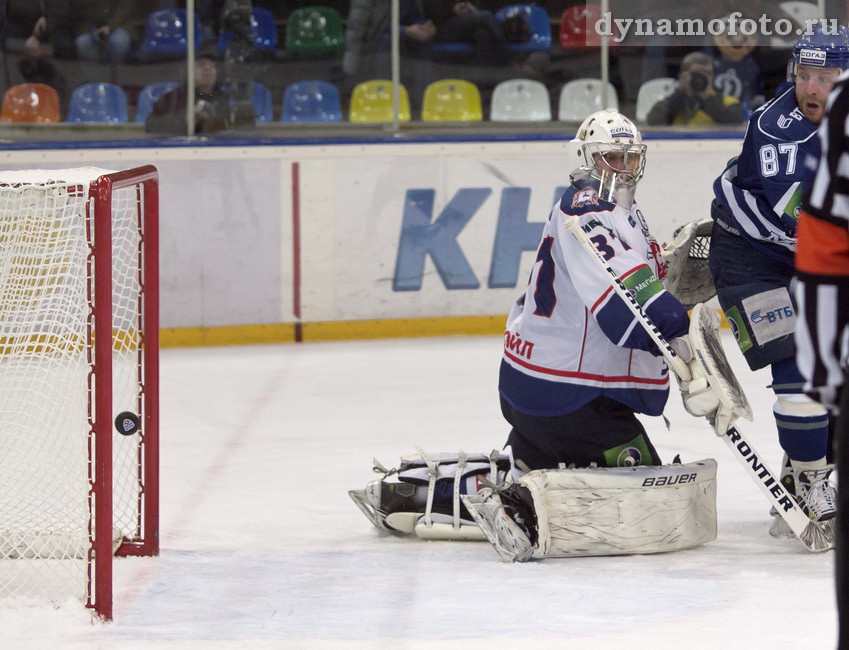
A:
[280,242]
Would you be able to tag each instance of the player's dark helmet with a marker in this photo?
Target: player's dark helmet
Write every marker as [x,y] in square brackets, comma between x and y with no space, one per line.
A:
[821,46]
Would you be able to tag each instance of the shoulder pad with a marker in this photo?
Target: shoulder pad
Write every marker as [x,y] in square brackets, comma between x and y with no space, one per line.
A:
[781,119]
[580,200]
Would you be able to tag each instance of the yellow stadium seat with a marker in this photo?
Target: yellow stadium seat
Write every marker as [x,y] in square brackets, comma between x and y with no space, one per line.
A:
[371,101]
[452,100]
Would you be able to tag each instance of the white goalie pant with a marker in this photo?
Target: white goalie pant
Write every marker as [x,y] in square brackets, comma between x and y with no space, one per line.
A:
[624,510]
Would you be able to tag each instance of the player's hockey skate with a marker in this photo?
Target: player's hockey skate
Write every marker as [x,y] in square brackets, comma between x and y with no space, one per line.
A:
[818,494]
[507,537]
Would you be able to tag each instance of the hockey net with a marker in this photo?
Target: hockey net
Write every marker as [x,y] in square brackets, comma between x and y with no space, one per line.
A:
[73,490]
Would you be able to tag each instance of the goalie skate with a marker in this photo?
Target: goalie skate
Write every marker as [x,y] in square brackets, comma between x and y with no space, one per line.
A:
[704,340]
[405,501]
[507,537]
[380,499]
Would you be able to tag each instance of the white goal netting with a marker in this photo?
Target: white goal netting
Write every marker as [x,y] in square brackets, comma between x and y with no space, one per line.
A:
[48,480]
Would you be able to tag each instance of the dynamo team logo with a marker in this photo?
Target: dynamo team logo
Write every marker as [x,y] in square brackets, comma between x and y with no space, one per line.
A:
[735,329]
[629,457]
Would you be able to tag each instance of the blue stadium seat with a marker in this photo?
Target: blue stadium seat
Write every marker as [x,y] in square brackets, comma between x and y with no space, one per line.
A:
[263,106]
[539,23]
[263,31]
[104,103]
[165,34]
[148,96]
[311,101]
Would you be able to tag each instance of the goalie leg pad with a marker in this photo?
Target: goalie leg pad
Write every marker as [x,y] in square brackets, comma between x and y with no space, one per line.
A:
[624,510]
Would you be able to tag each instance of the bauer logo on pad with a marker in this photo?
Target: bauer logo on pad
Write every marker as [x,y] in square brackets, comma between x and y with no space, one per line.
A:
[812,57]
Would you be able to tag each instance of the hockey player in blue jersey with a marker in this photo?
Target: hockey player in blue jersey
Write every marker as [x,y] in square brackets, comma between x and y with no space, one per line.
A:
[576,366]
[755,210]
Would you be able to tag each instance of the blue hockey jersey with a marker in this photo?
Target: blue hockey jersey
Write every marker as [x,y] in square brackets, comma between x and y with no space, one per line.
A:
[762,188]
[569,338]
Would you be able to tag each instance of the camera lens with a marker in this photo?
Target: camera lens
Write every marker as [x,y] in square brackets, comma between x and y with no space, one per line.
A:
[698,81]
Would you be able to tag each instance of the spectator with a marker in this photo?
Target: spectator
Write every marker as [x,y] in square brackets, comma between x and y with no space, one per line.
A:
[211,102]
[41,70]
[449,22]
[238,78]
[695,102]
[736,73]
[99,30]
[367,39]
[24,27]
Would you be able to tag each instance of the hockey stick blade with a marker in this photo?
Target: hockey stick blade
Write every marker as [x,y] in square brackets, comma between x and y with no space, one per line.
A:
[813,535]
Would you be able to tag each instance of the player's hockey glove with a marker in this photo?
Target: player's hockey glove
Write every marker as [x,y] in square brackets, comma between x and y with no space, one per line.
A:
[699,399]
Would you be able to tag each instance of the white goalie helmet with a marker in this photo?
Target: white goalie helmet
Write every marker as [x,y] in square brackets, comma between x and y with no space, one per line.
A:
[608,148]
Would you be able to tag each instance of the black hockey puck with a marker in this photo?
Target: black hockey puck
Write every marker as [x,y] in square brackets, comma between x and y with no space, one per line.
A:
[127,423]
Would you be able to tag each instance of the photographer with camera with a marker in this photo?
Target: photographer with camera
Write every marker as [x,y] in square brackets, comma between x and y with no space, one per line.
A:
[213,107]
[696,102]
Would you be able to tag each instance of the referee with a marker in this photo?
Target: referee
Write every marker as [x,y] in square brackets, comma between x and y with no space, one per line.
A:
[822,298]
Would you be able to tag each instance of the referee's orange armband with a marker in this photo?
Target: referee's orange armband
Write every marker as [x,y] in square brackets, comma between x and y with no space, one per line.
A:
[822,248]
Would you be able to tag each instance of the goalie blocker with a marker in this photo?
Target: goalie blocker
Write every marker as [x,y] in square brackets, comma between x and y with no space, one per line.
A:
[600,511]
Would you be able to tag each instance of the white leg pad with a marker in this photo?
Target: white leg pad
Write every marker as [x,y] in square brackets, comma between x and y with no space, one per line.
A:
[624,510]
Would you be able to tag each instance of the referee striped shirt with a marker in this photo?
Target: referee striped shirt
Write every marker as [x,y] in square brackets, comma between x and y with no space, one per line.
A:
[822,259]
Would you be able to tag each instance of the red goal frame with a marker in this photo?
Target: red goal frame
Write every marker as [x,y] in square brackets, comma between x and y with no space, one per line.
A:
[146,542]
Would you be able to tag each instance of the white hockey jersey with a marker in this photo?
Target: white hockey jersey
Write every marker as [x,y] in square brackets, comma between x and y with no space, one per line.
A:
[569,337]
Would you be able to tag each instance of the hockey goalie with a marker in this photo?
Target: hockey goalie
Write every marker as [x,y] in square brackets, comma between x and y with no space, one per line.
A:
[577,368]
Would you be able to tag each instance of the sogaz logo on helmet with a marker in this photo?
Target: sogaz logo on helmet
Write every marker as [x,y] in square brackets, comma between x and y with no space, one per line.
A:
[621,133]
[812,57]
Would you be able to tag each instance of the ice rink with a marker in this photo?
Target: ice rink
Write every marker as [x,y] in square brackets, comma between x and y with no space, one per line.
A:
[262,547]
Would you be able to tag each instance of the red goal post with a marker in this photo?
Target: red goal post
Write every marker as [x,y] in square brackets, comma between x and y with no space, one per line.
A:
[79,345]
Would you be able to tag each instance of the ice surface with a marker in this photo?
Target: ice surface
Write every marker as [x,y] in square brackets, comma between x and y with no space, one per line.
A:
[262,548]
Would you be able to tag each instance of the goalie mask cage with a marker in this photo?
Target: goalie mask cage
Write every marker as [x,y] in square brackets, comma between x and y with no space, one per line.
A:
[79,344]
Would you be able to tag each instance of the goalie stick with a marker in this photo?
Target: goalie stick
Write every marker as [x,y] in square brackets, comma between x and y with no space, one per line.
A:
[814,536]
